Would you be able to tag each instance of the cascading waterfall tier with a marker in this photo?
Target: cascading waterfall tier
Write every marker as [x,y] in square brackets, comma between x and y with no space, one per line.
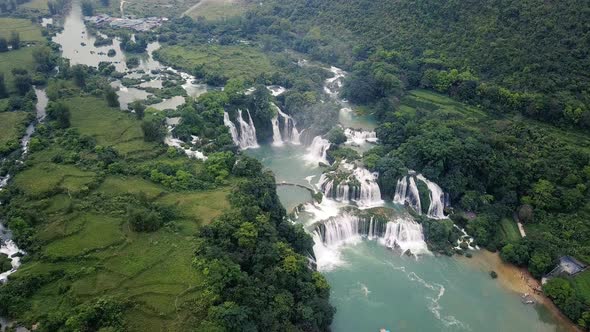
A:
[245,138]
[333,84]
[284,128]
[351,183]
[318,151]
[407,191]
[179,144]
[395,233]
[359,137]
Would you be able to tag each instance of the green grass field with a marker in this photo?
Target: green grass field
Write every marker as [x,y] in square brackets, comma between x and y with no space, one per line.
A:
[509,230]
[97,232]
[109,126]
[216,9]
[198,206]
[28,31]
[100,253]
[164,8]
[43,178]
[133,185]
[22,58]
[37,6]
[11,124]
[229,61]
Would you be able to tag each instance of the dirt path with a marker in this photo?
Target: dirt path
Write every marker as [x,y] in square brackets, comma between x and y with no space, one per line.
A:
[203,3]
[193,7]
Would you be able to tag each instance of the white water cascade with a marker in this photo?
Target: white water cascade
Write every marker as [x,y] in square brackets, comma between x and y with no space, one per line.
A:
[370,194]
[350,183]
[7,246]
[318,151]
[232,129]
[179,144]
[359,137]
[277,139]
[246,137]
[10,249]
[345,229]
[407,191]
[289,132]
[247,132]
[333,84]
[436,210]
[405,234]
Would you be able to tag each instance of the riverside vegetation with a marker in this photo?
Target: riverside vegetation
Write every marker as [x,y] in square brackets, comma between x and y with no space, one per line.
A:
[511,139]
[122,233]
[101,206]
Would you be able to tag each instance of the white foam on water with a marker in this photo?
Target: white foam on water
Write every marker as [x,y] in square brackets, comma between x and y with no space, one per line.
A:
[434,305]
[176,143]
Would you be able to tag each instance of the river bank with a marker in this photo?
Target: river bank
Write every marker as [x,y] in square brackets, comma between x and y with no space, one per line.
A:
[518,280]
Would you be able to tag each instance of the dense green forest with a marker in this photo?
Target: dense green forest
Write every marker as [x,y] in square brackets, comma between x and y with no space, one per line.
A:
[525,56]
[505,135]
[517,147]
[122,233]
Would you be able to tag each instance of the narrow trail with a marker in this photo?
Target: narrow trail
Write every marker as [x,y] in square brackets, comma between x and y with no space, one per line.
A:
[193,7]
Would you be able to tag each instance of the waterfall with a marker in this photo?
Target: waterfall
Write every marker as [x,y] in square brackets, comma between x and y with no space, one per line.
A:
[437,197]
[405,234]
[333,84]
[318,151]
[406,191]
[359,185]
[400,190]
[175,142]
[246,137]
[347,228]
[10,249]
[276,90]
[370,194]
[276,132]
[232,128]
[247,132]
[341,230]
[359,137]
[371,233]
[413,196]
[289,132]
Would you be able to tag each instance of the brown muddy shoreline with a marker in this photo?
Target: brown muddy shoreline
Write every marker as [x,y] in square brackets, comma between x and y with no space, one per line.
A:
[520,281]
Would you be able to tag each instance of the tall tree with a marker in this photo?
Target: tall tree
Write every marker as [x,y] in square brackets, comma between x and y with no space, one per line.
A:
[112,97]
[3,91]
[3,45]
[14,40]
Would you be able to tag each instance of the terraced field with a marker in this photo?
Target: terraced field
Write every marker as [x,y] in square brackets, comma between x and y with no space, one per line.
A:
[83,233]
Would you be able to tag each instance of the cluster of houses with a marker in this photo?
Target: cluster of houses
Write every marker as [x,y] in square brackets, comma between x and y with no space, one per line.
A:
[127,22]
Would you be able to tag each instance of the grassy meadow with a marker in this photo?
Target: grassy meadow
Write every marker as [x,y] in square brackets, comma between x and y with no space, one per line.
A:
[22,58]
[11,125]
[109,126]
[227,61]
[216,9]
[28,31]
[83,231]
[35,7]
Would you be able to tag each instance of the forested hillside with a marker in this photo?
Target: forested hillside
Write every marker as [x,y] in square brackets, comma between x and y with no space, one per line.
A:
[520,148]
[537,50]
